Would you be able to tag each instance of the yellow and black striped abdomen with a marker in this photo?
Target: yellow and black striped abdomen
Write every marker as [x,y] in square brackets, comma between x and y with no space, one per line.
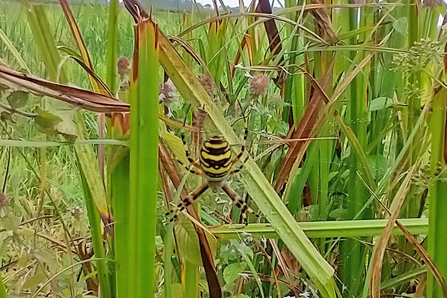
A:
[215,157]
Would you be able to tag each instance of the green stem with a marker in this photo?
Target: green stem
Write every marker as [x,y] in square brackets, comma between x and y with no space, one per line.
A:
[112,45]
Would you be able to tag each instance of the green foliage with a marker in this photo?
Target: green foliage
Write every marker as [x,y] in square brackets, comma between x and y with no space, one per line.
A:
[383,106]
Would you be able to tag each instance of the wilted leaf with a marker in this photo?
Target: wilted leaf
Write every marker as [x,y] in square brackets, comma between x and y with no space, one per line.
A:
[380,103]
[3,87]
[18,99]
[34,280]
[231,272]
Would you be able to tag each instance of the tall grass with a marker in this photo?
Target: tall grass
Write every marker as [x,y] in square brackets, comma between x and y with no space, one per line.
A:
[340,131]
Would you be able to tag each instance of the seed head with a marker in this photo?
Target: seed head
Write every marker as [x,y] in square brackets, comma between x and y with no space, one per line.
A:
[208,84]
[77,212]
[167,93]
[123,66]
[432,3]
[4,200]
[258,84]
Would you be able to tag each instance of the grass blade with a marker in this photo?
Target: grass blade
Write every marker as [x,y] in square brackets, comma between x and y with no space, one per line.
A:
[143,156]
[112,45]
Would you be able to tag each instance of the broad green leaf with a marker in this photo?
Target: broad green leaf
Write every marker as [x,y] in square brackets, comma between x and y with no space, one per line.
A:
[46,122]
[380,103]
[34,280]
[309,213]
[176,145]
[10,222]
[23,260]
[187,241]
[339,213]
[379,163]
[231,272]
[227,253]
[245,250]
[18,99]
[46,256]
[66,127]
[401,25]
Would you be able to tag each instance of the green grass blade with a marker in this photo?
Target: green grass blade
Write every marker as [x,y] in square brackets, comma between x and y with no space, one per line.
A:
[190,280]
[357,148]
[143,160]
[44,40]
[119,189]
[112,45]
[97,240]
[13,50]
[325,229]
[167,258]
[406,277]
[437,211]
[3,293]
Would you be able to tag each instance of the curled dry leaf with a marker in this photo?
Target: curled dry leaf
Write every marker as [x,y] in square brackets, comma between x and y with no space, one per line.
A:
[76,96]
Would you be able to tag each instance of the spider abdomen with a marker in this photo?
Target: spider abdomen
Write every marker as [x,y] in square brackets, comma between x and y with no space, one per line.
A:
[215,158]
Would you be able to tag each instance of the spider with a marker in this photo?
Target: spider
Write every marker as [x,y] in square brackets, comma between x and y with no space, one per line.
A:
[215,166]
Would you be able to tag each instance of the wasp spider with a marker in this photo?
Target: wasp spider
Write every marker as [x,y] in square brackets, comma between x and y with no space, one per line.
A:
[215,166]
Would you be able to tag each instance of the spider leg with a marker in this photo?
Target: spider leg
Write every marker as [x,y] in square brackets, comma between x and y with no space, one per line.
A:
[192,171]
[190,159]
[239,202]
[236,159]
[237,170]
[188,155]
[186,201]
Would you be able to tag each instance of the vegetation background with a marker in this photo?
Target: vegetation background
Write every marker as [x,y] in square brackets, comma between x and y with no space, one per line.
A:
[345,107]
